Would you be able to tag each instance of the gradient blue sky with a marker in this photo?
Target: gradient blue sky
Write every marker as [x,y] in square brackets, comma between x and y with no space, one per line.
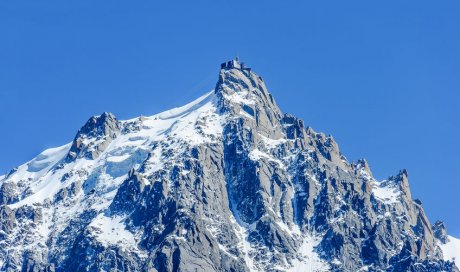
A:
[383,77]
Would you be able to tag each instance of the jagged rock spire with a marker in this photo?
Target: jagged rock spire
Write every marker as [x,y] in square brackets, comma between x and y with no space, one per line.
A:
[243,93]
[94,136]
[440,231]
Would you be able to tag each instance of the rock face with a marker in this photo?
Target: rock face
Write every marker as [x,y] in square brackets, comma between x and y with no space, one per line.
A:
[94,137]
[226,183]
[440,231]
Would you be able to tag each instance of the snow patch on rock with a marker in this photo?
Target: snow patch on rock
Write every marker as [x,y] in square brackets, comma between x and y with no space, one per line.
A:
[111,231]
[386,192]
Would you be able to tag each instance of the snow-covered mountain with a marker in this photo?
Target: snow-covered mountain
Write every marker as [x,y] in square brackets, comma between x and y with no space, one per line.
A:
[225,183]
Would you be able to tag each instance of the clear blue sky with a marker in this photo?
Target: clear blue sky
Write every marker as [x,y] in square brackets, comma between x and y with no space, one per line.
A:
[383,77]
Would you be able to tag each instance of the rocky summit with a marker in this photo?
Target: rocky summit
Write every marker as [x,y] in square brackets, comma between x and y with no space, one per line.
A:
[226,183]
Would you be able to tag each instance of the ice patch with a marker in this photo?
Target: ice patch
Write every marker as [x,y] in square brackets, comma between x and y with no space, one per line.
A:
[291,231]
[240,97]
[272,143]
[386,192]
[112,231]
[257,155]
[118,158]
[309,259]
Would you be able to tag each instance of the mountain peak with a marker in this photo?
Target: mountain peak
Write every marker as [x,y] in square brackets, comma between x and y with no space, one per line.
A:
[242,93]
[94,136]
[225,183]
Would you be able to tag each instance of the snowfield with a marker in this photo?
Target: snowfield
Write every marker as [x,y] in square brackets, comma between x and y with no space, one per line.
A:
[451,250]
